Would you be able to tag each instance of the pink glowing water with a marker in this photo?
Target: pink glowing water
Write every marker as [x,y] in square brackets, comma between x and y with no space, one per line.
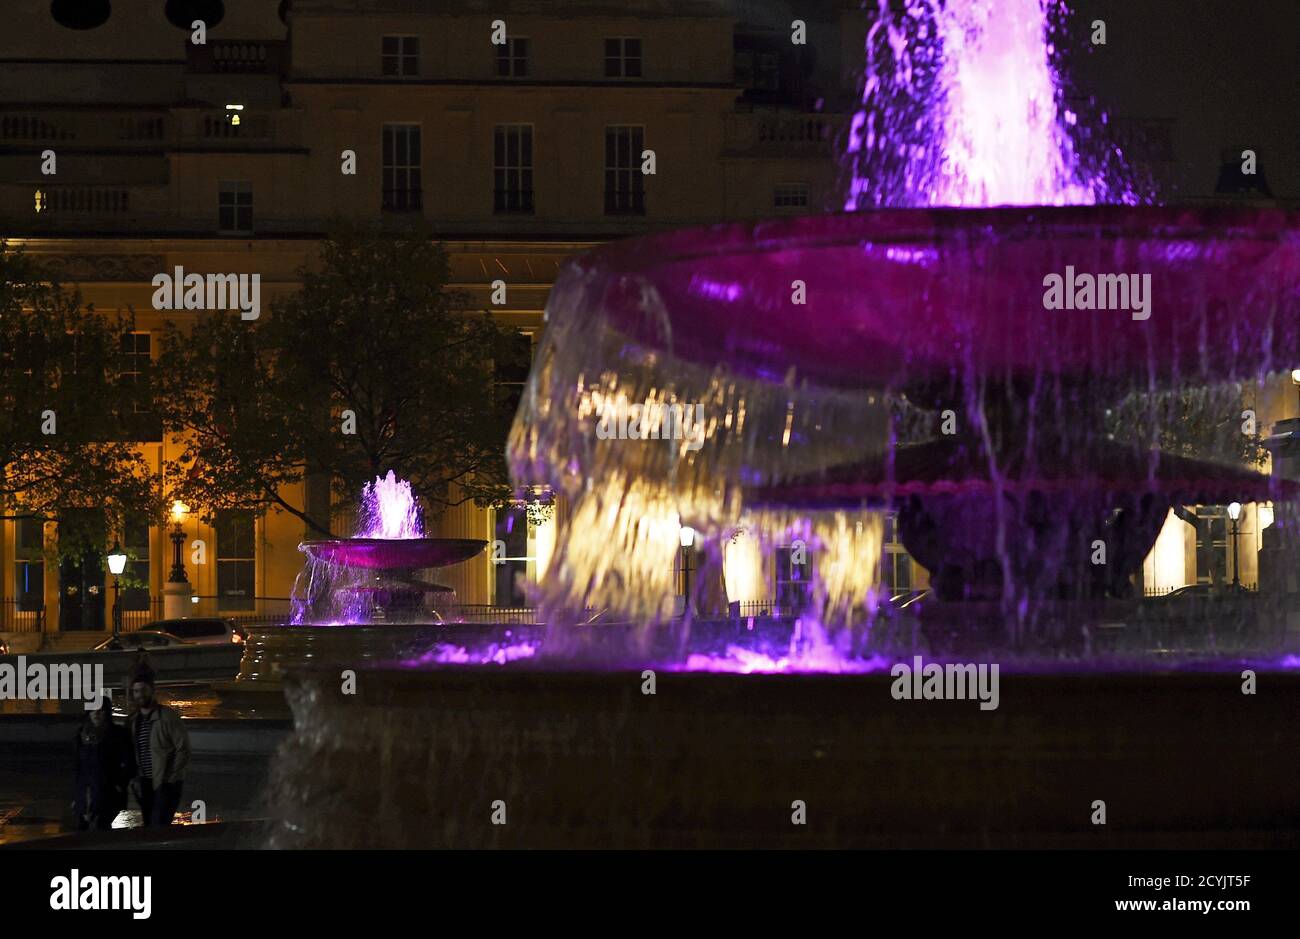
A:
[389,510]
[960,108]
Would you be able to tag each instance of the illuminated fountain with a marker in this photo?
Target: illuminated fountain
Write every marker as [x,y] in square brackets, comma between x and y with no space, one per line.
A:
[373,576]
[991,375]
[907,357]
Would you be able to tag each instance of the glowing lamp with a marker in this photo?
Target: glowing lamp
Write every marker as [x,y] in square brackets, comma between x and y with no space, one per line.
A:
[116,559]
[687,535]
[1234,510]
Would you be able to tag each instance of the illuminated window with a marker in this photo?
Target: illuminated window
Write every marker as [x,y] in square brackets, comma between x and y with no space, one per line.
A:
[510,566]
[897,562]
[236,559]
[135,596]
[793,580]
[29,566]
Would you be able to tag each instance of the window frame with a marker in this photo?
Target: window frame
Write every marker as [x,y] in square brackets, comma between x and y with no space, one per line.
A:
[520,172]
[620,201]
[412,195]
[402,58]
[235,189]
[619,64]
[514,63]
[248,599]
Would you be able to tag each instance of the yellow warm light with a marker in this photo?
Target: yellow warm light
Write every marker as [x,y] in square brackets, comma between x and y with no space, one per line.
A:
[1166,564]
[543,547]
[742,569]
[179,511]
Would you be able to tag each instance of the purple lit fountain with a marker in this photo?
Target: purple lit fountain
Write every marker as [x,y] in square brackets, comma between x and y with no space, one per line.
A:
[373,577]
[977,348]
[981,353]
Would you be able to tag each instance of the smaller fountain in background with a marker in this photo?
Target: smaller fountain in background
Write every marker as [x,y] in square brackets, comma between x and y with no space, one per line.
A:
[374,577]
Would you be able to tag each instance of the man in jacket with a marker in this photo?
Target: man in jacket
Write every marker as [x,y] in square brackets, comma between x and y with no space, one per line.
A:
[162,752]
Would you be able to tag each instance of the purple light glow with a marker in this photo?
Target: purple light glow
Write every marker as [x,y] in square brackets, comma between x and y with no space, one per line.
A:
[492,654]
[389,510]
[740,660]
[960,109]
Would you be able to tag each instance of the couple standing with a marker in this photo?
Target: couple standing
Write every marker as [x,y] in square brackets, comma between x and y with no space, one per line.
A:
[148,757]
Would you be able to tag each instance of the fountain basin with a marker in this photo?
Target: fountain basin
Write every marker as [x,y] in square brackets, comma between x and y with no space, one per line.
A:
[907,298]
[393,553]
[417,758]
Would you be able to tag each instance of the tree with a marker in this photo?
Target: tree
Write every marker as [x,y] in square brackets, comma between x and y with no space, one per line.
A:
[65,415]
[373,365]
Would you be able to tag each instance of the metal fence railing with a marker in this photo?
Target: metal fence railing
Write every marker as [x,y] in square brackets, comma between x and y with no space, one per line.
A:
[18,617]
[487,613]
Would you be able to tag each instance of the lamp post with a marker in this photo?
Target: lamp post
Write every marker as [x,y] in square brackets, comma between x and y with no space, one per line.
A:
[177,589]
[177,576]
[117,564]
[1234,513]
[687,538]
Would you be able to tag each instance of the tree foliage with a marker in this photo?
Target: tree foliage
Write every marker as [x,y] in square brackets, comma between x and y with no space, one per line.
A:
[372,365]
[60,371]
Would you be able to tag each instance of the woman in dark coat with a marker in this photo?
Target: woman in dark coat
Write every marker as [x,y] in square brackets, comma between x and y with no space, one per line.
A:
[105,765]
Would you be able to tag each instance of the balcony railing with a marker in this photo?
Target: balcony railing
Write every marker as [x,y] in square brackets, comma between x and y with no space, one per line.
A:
[82,200]
[32,127]
[782,134]
[239,56]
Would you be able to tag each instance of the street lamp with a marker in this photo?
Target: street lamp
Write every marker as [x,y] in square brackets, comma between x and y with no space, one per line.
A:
[1295,378]
[116,565]
[177,575]
[1234,513]
[687,538]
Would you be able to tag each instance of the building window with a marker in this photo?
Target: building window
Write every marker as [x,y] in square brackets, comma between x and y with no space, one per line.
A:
[758,71]
[1212,526]
[512,57]
[133,370]
[401,55]
[511,373]
[401,168]
[29,565]
[512,168]
[236,556]
[235,206]
[793,580]
[897,563]
[622,58]
[624,182]
[790,196]
[510,566]
[136,580]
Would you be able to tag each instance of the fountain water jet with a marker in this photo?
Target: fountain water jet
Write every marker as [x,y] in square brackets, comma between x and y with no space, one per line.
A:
[371,577]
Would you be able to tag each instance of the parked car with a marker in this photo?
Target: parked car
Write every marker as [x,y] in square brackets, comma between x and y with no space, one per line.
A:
[1207,592]
[204,630]
[141,639]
